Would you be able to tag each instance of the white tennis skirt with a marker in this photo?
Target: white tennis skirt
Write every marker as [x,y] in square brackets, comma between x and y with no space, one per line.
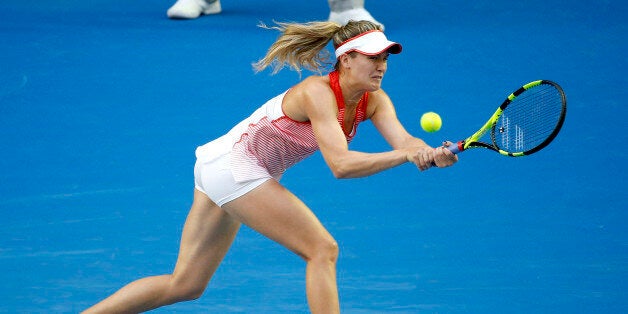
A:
[215,179]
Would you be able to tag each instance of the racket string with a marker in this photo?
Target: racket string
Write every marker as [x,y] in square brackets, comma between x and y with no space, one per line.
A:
[529,119]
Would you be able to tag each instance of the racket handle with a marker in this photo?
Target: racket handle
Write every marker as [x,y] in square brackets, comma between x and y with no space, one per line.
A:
[456,147]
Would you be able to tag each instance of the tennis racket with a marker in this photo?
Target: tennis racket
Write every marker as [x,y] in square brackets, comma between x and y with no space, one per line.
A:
[527,121]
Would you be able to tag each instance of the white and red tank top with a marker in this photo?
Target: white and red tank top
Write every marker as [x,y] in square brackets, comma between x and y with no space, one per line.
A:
[268,142]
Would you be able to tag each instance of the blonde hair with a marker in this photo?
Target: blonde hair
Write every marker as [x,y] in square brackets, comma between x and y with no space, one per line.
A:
[302,45]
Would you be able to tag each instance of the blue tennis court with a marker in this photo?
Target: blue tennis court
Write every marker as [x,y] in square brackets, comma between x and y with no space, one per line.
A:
[102,104]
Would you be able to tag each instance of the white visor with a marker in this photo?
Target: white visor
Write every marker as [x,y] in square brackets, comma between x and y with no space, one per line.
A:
[369,43]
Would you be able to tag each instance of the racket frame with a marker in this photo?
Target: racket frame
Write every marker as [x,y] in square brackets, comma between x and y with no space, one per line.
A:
[473,140]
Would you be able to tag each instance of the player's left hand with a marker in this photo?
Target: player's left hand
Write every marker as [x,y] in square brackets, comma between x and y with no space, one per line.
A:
[423,157]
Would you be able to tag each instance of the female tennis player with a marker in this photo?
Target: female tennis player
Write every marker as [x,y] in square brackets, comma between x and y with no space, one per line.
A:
[237,175]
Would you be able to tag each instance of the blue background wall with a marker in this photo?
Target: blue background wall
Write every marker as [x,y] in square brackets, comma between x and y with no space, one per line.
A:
[102,104]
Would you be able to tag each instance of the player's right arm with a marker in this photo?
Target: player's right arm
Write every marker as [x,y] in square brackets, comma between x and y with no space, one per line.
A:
[382,114]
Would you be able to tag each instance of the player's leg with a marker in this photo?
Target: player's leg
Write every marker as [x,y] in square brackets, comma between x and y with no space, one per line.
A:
[207,235]
[344,5]
[278,214]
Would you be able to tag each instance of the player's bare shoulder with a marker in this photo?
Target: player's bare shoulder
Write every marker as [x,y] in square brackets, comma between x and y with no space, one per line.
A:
[315,86]
[311,94]
[378,100]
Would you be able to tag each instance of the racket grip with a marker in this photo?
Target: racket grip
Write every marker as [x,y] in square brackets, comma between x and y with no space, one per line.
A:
[456,147]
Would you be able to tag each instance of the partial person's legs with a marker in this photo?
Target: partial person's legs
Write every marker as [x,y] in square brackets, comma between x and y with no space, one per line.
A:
[278,214]
[191,9]
[343,11]
[207,235]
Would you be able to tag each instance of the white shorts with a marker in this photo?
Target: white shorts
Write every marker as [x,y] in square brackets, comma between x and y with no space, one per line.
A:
[215,179]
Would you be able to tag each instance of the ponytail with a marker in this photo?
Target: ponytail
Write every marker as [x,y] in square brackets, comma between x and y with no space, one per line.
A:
[299,46]
[302,46]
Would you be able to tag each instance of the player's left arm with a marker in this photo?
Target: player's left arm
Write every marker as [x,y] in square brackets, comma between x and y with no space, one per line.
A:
[383,115]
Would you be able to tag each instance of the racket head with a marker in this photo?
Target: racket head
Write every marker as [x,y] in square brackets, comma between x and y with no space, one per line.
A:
[530,119]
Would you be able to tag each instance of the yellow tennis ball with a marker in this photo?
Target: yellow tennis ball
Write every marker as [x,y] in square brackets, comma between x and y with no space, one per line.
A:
[431,122]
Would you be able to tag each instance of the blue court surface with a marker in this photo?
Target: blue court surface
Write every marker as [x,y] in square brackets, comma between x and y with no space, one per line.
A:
[103,102]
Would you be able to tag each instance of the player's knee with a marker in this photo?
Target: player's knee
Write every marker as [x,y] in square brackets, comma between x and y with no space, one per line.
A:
[334,251]
[189,294]
[325,251]
[186,291]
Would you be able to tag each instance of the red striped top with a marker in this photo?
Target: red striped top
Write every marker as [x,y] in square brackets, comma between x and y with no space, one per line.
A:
[269,142]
